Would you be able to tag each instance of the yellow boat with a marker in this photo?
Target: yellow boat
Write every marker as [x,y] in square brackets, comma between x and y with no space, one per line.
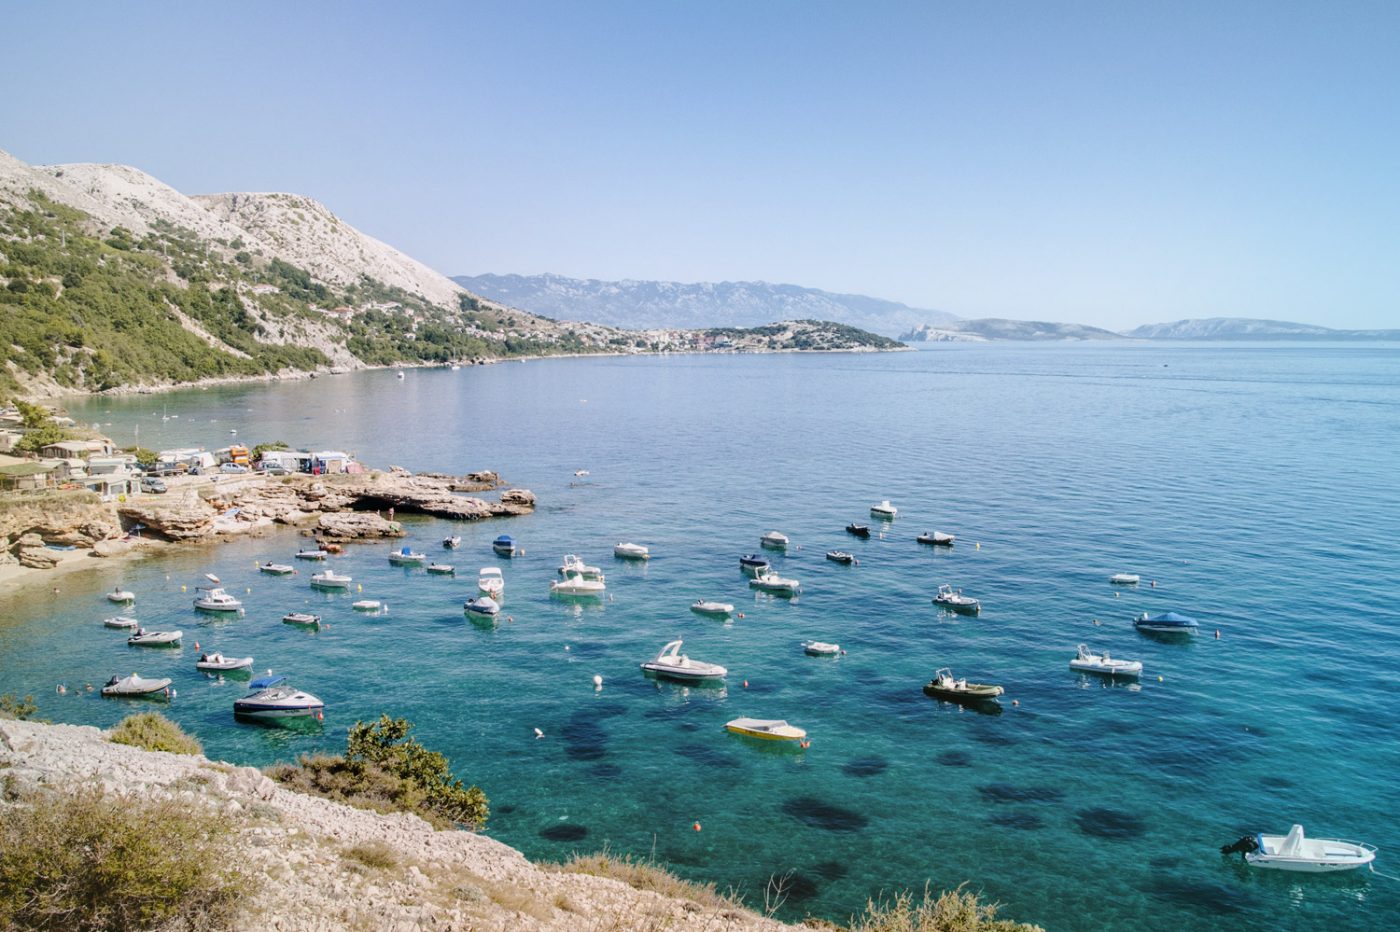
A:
[769,729]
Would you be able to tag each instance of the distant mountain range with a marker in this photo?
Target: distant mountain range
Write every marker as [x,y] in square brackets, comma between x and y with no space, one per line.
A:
[996,328]
[649,305]
[1246,328]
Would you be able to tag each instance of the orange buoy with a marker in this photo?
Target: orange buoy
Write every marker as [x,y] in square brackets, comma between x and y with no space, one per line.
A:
[697,826]
[746,684]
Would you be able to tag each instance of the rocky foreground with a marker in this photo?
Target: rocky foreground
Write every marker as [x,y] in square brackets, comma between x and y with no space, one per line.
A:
[299,850]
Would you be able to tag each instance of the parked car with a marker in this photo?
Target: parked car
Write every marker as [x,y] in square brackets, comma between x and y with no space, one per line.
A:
[233,467]
[153,484]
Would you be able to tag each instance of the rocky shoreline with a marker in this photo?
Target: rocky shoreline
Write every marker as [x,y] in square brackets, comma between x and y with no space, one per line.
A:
[300,850]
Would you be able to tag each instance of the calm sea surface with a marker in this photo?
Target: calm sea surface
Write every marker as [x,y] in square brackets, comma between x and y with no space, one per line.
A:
[1257,485]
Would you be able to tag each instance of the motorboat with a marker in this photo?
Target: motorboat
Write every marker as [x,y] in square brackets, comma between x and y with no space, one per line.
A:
[775,540]
[367,605]
[821,648]
[945,686]
[144,638]
[407,557]
[134,685]
[841,556]
[273,698]
[330,579]
[482,605]
[768,729]
[956,601]
[577,586]
[1166,623]
[442,569]
[121,595]
[490,582]
[937,538]
[303,619]
[218,663]
[859,530]
[399,375]
[504,546]
[703,607]
[317,554]
[276,569]
[1086,662]
[672,664]
[632,552]
[1295,852]
[1125,579]
[778,585]
[123,623]
[753,563]
[574,564]
[884,511]
[452,542]
[214,599]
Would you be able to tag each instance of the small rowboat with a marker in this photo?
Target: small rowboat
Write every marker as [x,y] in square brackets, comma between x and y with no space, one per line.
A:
[937,538]
[123,623]
[821,648]
[134,685]
[711,608]
[218,663]
[945,686]
[303,619]
[276,569]
[841,556]
[768,729]
[1125,579]
[144,638]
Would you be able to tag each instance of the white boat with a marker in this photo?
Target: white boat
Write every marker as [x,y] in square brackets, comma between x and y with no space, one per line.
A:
[407,557]
[271,698]
[821,648]
[936,537]
[121,595]
[884,510]
[442,569]
[711,608]
[775,540]
[577,586]
[631,552]
[144,638]
[573,564]
[400,374]
[134,685]
[123,623]
[956,601]
[214,599]
[1087,662]
[482,605]
[311,554]
[276,569]
[672,664]
[769,729]
[1294,852]
[304,619]
[1125,579]
[367,605]
[218,663]
[452,541]
[778,585]
[330,579]
[491,582]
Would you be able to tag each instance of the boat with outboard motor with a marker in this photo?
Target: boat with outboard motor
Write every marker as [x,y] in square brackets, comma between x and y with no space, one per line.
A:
[821,648]
[629,551]
[704,607]
[144,638]
[119,594]
[442,569]
[491,582]
[771,582]
[272,699]
[330,579]
[945,686]
[753,563]
[217,663]
[573,564]
[215,599]
[1296,852]
[1166,623]
[122,623]
[482,605]
[937,538]
[407,556]
[884,511]
[841,556]
[774,540]
[858,530]
[505,546]
[1086,662]
[672,664]
[276,569]
[317,554]
[302,619]
[452,541]
[134,685]
[1125,579]
[955,601]
[367,605]
[768,729]
[577,586]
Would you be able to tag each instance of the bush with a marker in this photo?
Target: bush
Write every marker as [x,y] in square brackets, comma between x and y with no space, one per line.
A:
[647,875]
[385,770]
[11,706]
[953,911]
[82,860]
[374,854]
[154,732]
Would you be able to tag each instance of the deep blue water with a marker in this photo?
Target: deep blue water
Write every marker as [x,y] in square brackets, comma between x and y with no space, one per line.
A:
[1256,484]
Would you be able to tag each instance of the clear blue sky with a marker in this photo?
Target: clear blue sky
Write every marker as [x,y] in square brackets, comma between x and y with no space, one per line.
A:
[1108,163]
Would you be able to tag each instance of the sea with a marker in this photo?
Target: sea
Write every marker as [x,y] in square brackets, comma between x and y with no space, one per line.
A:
[1251,486]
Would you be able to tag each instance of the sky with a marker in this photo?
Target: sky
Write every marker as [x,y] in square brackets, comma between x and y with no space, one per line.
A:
[1109,163]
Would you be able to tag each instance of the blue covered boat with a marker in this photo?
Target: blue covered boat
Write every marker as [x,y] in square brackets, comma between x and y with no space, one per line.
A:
[1166,623]
[504,546]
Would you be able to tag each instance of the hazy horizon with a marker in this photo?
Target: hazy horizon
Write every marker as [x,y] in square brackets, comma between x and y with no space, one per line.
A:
[1089,163]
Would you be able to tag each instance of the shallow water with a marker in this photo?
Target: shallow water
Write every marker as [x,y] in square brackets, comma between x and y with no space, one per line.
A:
[1254,484]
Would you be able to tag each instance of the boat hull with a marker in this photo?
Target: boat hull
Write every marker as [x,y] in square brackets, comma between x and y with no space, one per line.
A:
[275,713]
[961,608]
[662,671]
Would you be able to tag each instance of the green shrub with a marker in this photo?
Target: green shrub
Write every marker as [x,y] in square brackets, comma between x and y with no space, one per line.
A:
[374,854]
[11,706]
[952,911]
[84,861]
[154,732]
[385,770]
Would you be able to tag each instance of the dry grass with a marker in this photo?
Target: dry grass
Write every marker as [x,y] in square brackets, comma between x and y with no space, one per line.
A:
[154,732]
[951,911]
[649,876]
[375,854]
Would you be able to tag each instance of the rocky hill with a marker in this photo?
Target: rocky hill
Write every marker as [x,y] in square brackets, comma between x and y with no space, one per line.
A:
[1246,328]
[653,304]
[995,328]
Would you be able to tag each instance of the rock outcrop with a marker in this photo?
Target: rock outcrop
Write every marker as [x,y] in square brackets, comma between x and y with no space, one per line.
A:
[356,525]
[188,519]
[300,851]
[31,552]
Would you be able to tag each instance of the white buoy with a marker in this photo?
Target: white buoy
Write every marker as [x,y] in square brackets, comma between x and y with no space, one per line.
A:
[597,681]
[538,734]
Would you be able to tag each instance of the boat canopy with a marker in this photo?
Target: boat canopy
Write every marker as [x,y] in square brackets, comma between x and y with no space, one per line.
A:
[267,682]
[1172,618]
[406,551]
[503,540]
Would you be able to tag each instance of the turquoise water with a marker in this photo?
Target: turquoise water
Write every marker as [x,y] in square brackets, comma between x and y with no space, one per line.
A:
[1255,484]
